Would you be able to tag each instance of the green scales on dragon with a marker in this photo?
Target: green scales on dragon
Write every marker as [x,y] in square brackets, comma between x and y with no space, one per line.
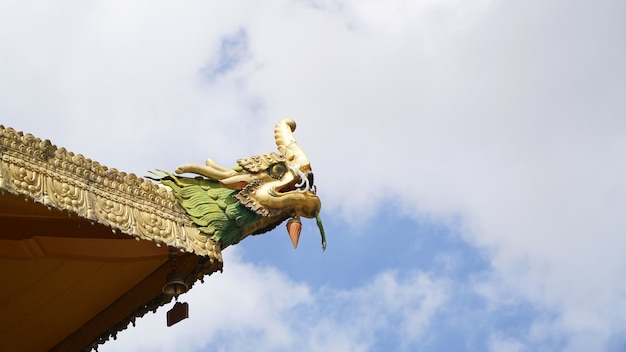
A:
[253,197]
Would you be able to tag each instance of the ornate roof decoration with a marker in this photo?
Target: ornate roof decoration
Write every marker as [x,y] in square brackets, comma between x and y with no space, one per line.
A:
[135,206]
[35,169]
[255,196]
[113,279]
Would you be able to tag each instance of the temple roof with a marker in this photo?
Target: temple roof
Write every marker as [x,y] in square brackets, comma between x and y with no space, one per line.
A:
[84,249]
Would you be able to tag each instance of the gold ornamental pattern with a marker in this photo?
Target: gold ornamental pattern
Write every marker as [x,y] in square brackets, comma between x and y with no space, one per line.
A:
[132,205]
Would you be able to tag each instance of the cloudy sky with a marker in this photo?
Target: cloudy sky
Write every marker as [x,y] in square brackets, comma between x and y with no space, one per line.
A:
[470,156]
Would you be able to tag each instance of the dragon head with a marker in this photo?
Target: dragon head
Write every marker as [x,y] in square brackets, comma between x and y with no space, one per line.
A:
[278,183]
[274,186]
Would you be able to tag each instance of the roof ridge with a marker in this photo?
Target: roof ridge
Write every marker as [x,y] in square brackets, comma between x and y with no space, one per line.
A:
[125,202]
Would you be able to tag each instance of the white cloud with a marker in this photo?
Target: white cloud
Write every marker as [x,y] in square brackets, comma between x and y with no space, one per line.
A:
[497,344]
[516,128]
[259,306]
[508,116]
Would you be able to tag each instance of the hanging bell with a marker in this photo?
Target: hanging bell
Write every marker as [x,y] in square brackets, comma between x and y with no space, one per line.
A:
[175,284]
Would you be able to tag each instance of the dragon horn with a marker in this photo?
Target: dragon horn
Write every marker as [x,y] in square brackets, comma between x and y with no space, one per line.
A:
[287,145]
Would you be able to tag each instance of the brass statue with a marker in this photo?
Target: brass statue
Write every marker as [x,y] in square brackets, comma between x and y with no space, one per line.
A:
[254,196]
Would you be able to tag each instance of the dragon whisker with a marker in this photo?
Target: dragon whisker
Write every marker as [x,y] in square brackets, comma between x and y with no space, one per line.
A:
[304,181]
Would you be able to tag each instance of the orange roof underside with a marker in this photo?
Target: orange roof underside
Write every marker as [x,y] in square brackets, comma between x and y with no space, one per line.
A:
[66,280]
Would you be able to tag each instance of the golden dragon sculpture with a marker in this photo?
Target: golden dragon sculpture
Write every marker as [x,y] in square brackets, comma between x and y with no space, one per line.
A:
[253,197]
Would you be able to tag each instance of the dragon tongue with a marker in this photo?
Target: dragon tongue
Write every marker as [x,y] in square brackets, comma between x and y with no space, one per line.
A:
[294,226]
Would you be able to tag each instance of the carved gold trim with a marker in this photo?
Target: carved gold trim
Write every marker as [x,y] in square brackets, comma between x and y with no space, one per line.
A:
[126,203]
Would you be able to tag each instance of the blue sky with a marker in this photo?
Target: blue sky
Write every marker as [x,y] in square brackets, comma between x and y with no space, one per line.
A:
[469,156]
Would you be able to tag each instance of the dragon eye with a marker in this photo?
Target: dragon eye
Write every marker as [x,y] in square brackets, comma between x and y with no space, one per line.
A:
[277,171]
